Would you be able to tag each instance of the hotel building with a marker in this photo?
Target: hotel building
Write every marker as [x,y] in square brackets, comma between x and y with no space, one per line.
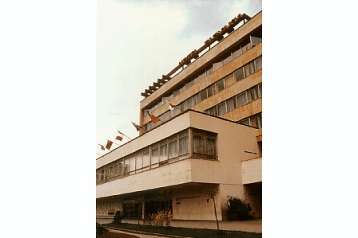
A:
[207,144]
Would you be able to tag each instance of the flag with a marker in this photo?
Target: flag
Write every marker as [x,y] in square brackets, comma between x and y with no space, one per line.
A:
[137,126]
[123,134]
[102,147]
[172,106]
[119,138]
[109,144]
[153,118]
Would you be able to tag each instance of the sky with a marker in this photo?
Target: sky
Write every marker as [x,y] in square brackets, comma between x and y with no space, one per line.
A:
[138,42]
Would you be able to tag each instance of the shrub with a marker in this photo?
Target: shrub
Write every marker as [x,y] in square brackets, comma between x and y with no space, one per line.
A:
[238,209]
[161,218]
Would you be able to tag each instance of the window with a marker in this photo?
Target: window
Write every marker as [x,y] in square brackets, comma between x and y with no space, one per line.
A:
[222,108]
[131,164]
[210,146]
[163,153]
[121,168]
[252,94]
[258,63]
[230,104]
[198,144]
[247,70]
[139,162]
[203,95]
[155,157]
[259,90]
[197,98]
[229,80]
[219,86]
[241,99]
[173,149]
[115,169]
[132,209]
[245,121]
[146,159]
[102,175]
[204,144]
[211,90]
[212,111]
[183,143]
[239,74]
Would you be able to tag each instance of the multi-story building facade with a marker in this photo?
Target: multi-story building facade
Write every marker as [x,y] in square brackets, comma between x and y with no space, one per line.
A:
[207,143]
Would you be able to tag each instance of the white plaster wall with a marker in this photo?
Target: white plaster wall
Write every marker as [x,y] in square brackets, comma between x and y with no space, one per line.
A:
[194,203]
[168,175]
[252,171]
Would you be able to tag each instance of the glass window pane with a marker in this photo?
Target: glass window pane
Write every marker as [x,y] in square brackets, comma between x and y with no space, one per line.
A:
[132,164]
[252,94]
[245,121]
[183,145]
[139,161]
[259,90]
[258,63]
[210,146]
[219,86]
[146,159]
[163,153]
[173,149]
[155,156]
[252,67]
[241,99]
[222,108]
[210,91]
[230,80]
[198,144]
[203,94]
[239,74]
[230,104]
[247,70]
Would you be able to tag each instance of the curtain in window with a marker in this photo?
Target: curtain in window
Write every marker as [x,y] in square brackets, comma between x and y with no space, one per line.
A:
[163,153]
[210,146]
[132,164]
[173,149]
[183,145]
[146,159]
[198,144]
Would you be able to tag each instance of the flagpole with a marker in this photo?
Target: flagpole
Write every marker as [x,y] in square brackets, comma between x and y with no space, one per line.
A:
[123,135]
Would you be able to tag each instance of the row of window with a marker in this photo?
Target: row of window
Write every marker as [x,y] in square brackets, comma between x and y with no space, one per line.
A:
[238,100]
[236,52]
[239,74]
[254,120]
[160,153]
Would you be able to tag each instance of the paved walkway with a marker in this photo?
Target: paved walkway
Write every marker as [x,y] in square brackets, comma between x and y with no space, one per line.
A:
[247,226]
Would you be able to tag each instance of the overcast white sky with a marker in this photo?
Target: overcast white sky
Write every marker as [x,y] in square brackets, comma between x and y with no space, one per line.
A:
[138,42]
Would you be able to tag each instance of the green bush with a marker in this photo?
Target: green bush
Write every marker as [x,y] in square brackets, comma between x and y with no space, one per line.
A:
[238,209]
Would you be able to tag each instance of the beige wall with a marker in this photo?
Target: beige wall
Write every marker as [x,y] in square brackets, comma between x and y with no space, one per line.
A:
[208,56]
[195,203]
[252,171]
